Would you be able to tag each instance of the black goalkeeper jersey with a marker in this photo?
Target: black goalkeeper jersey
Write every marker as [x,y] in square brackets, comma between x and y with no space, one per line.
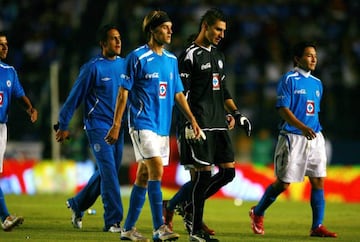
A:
[203,77]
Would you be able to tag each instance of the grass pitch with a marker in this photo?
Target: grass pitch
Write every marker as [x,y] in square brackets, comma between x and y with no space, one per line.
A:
[47,219]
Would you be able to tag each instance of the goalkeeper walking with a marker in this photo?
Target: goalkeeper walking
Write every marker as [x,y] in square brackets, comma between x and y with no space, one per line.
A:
[201,67]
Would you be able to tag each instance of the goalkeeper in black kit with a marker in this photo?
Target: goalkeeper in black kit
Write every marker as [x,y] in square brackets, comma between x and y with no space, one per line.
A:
[201,67]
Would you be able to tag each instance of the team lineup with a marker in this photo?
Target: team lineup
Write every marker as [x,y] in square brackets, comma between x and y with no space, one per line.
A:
[140,94]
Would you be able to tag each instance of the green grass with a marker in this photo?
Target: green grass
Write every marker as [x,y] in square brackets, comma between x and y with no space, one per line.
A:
[47,220]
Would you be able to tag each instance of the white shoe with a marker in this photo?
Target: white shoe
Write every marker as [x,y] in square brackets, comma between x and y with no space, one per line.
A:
[115,228]
[164,234]
[75,220]
[11,221]
[133,235]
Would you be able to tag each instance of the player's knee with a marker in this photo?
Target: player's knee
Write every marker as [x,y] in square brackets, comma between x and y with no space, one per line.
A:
[229,174]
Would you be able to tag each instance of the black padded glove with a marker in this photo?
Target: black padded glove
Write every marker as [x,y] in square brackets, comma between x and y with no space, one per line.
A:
[242,122]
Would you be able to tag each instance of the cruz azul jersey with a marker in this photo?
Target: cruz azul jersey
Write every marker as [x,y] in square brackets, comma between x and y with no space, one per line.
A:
[97,86]
[301,92]
[9,86]
[202,73]
[155,80]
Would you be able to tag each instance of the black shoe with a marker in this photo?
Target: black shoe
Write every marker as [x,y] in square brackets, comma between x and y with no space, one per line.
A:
[201,236]
[188,222]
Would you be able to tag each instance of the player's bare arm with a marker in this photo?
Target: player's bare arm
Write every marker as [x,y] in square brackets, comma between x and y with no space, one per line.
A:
[113,133]
[33,113]
[290,118]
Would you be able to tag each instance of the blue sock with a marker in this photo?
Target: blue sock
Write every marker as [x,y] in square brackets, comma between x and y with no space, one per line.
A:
[155,199]
[137,200]
[318,206]
[183,195]
[3,209]
[266,200]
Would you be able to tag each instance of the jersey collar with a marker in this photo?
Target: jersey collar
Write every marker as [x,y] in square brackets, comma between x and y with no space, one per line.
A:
[302,72]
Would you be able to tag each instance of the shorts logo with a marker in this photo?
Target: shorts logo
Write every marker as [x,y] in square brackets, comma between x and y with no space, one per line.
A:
[216,81]
[1,98]
[162,89]
[310,108]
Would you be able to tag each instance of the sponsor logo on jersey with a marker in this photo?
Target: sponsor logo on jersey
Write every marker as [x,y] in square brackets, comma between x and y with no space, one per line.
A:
[205,66]
[184,75]
[1,98]
[8,83]
[310,107]
[162,89]
[216,81]
[152,75]
[105,79]
[300,91]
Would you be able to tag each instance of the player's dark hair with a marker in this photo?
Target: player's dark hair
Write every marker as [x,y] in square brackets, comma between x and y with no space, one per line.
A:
[3,33]
[101,35]
[299,48]
[211,16]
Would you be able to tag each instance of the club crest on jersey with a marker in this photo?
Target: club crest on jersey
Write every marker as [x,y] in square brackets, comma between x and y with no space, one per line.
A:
[216,81]
[162,89]
[310,108]
[221,64]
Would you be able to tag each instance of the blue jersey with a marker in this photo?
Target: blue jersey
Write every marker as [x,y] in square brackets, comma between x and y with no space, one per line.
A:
[301,92]
[9,86]
[97,88]
[155,81]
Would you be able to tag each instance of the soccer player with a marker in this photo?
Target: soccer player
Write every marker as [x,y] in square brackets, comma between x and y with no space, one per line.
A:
[10,86]
[202,71]
[156,87]
[300,149]
[97,86]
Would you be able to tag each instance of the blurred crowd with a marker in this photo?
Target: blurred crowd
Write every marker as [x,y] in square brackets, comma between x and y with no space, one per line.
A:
[257,41]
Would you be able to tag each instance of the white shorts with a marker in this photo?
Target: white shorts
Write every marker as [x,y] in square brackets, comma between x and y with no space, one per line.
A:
[3,140]
[296,157]
[148,144]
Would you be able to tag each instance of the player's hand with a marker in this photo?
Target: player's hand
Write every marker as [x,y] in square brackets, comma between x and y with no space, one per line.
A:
[61,135]
[242,122]
[194,136]
[308,133]
[33,113]
[230,121]
[113,135]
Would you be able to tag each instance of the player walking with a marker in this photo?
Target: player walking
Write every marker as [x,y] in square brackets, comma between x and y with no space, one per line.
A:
[97,86]
[156,87]
[10,86]
[202,72]
[300,149]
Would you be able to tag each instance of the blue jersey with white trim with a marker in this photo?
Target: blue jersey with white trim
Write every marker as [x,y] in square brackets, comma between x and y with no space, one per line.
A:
[9,86]
[301,92]
[156,80]
[96,87]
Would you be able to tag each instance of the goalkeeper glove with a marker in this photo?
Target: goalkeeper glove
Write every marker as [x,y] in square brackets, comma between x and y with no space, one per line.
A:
[242,122]
[190,135]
